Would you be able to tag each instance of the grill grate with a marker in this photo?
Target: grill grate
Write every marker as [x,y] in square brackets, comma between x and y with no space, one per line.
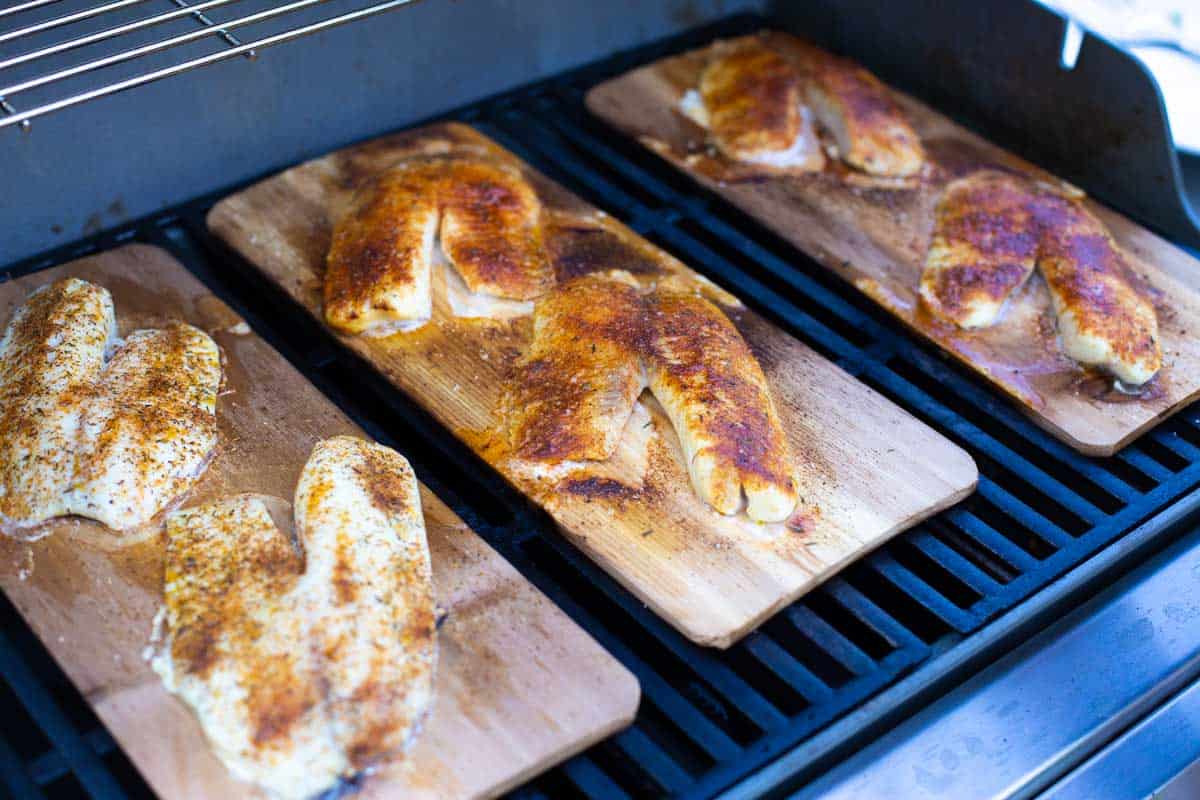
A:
[708,718]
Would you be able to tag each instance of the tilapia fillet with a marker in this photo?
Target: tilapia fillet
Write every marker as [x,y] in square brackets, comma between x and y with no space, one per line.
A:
[582,373]
[702,372]
[762,107]
[150,428]
[488,221]
[116,442]
[752,106]
[311,660]
[1103,321]
[51,354]
[598,342]
[871,131]
[992,229]
[984,248]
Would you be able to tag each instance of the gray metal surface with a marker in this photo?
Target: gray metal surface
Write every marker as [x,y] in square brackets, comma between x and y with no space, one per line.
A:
[127,155]
[1028,720]
[1157,757]
[996,64]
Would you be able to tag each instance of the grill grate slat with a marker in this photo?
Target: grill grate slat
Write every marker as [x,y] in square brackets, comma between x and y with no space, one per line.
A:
[709,717]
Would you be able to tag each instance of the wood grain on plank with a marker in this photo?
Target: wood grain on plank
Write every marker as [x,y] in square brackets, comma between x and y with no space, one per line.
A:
[867,469]
[518,687]
[876,238]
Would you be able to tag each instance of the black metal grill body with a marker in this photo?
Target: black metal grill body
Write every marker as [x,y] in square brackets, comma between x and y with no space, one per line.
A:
[869,647]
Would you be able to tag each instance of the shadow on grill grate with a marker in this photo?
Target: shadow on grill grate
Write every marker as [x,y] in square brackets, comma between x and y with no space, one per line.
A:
[708,718]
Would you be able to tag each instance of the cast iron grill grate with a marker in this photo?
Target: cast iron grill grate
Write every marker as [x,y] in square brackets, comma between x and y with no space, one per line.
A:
[708,718]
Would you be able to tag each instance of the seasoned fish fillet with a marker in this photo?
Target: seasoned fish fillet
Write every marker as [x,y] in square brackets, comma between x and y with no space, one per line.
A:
[491,229]
[310,661]
[992,229]
[1103,321]
[752,106]
[368,591]
[52,351]
[150,428]
[379,264]
[984,248]
[598,342]
[702,372]
[576,385]
[377,272]
[871,131]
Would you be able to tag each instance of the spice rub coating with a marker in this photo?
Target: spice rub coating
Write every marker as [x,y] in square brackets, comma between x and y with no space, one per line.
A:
[51,353]
[150,427]
[751,97]
[488,218]
[857,110]
[984,248]
[311,660]
[1103,320]
[715,393]
[576,385]
[599,341]
[992,229]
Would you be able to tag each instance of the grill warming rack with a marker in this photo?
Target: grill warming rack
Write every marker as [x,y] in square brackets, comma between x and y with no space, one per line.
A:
[831,669]
[123,44]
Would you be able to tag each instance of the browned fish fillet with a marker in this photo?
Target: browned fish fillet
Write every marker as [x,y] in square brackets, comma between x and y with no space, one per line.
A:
[984,248]
[308,661]
[598,342]
[1103,321]
[576,385]
[379,264]
[751,104]
[871,131]
[752,97]
[491,229]
[702,372]
[377,273]
[990,232]
[50,355]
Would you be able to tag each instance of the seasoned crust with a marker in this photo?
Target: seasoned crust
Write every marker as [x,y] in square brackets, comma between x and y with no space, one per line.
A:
[599,341]
[992,229]
[311,660]
[702,372]
[984,248]
[51,353]
[871,131]
[752,96]
[150,428]
[576,385]
[1103,320]
[379,262]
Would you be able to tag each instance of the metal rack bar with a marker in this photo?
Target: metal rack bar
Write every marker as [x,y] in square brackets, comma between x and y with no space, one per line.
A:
[108,33]
[4,12]
[67,19]
[201,61]
[174,41]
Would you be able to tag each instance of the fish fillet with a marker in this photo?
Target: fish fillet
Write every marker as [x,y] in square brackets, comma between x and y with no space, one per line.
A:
[751,103]
[992,229]
[578,382]
[485,215]
[702,372]
[150,428]
[306,661]
[598,342]
[1103,321]
[871,131]
[52,351]
[984,248]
